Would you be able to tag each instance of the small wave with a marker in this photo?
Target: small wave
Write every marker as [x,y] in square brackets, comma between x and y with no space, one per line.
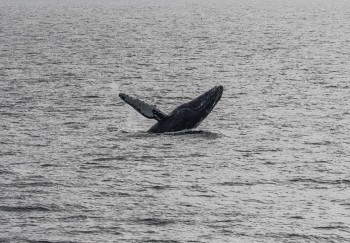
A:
[318,143]
[10,114]
[124,194]
[193,133]
[320,181]
[163,241]
[109,158]
[196,133]
[159,187]
[206,196]
[233,183]
[100,166]
[75,217]
[297,217]
[294,237]
[254,183]
[24,208]
[35,184]
[337,87]
[197,155]
[137,134]
[91,97]
[331,227]
[36,145]
[50,165]
[75,125]
[184,132]
[6,172]
[155,221]
[47,241]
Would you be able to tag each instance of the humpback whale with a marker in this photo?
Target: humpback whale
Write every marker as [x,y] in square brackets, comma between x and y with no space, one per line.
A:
[184,117]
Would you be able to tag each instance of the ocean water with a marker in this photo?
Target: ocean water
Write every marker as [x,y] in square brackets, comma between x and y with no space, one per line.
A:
[271,163]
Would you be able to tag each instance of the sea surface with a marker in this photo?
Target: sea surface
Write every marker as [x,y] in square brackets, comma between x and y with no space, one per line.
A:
[271,163]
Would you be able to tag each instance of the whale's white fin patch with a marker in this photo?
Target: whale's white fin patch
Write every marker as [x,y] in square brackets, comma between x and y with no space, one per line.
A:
[147,110]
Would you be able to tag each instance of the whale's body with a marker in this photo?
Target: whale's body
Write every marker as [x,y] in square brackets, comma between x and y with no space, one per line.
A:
[184,117]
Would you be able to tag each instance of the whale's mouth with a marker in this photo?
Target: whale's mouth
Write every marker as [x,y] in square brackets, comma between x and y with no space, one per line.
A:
[203,105]
[206,101]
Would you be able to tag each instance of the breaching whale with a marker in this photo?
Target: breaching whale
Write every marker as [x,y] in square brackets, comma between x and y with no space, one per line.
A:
[184,117]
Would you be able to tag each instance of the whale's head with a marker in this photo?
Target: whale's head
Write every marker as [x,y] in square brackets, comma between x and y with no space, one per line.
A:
[191,114]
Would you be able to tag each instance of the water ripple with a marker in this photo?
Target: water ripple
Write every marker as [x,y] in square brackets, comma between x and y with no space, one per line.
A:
[269,164]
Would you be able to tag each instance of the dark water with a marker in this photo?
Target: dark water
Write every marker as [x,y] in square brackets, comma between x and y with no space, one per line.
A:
[270,164]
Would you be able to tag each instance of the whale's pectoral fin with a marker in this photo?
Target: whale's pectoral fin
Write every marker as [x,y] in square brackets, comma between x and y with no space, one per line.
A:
[149,111]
